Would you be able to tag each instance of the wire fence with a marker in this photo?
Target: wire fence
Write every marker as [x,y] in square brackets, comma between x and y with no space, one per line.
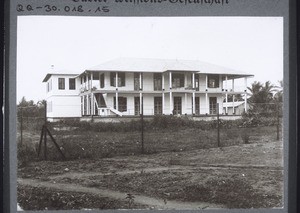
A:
[147,135]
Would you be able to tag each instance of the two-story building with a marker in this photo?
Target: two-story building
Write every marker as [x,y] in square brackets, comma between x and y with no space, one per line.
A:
[129,87]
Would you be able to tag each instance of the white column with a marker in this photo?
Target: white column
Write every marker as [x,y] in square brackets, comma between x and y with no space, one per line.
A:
[92,95]
[206,96]
[193,83]
[245,94]
[170,85]
[193,80]
[233,97]
[163,92]
[117,95]
[141,83]
[88,104]
[83,100]
[194,104]
[226,94]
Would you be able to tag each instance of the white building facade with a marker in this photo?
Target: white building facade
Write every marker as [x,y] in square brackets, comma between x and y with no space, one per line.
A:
[129,87]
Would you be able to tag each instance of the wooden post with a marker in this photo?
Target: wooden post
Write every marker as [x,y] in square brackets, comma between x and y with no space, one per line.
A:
[218,126]
[45,144]
[246,94]
[142,125]
[163,92]
[41,140]
[21,126]
[56,145]
[44,132]
[45,115]
[277,121]
[206,95]
[170,86]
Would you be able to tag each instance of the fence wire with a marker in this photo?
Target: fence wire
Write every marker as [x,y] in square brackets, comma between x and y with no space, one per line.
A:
[148,135]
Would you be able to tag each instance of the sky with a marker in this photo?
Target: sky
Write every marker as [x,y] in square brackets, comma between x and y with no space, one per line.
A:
[249,44]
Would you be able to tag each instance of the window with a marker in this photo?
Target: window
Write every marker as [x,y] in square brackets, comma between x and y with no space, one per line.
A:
[137,81]
[122,102]
[136,105]
[197,105]
[213,81]
[213,105]
[72,84]
[177,80]
[47,86]
[121,79]
[102,80]
[61,83]
[157,81]
[197,85]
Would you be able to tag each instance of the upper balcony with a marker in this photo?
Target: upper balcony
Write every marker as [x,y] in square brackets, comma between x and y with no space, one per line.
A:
[134,82]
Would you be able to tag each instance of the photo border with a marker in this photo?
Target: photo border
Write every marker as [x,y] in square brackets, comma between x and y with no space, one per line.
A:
[248,9]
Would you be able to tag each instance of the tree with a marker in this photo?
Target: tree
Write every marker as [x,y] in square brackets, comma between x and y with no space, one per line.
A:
[30,109]
[262,98]
[25,103]
[278,97]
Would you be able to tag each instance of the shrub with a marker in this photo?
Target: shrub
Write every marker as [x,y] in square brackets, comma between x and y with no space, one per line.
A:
[26,154]
[234,192]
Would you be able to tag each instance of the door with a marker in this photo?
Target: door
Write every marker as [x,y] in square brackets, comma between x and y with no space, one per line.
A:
[212,105]
[136,105]
[177,106]
[157,105]
[197,106]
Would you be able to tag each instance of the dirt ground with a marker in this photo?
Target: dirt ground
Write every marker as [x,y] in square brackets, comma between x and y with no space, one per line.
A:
[242,176]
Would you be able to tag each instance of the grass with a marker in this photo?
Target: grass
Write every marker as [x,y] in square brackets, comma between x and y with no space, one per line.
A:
[230,188]
[39,198]
[88,144]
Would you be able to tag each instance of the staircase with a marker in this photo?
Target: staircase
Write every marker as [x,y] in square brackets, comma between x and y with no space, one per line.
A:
[103,110]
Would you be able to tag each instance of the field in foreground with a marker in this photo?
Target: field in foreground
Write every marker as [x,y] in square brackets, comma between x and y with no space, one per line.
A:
[241,176]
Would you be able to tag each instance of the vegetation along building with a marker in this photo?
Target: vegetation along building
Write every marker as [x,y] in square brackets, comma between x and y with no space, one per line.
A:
[129,86]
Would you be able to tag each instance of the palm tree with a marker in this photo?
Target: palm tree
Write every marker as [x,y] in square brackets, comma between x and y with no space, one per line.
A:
[262,97]
[278,97]
[255,89]
[267,92]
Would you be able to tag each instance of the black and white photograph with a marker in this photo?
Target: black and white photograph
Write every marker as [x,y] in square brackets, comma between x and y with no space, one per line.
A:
[151,113]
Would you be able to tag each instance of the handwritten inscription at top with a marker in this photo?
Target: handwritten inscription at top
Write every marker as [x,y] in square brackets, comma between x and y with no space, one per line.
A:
[104,6]
[99,1]
[210,2]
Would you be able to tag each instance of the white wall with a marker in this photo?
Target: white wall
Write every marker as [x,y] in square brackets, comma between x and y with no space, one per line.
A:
[66,91]
[64,106]
[63,103]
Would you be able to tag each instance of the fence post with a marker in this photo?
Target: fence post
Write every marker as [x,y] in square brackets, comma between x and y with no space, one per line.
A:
[142,124]
[277,122]
[218,125]
[21,126]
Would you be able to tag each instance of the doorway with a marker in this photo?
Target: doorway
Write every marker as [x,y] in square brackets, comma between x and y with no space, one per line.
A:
[212,105]
[177,106]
